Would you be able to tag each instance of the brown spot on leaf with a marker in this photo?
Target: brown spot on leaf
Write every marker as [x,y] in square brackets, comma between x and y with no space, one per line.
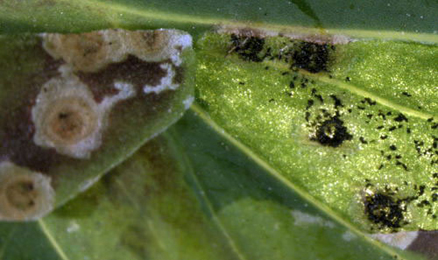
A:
[132,70]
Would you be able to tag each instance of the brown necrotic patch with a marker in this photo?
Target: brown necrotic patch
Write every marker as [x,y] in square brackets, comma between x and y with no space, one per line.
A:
[133,70]
[17,128]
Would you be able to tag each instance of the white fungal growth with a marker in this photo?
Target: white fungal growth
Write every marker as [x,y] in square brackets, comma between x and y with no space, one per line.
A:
[24,195]
[166,82]
[68,119]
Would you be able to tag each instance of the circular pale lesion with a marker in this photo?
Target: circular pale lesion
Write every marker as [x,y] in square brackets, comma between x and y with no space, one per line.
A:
[69,120]
[93,51]
[24,194]
[85,52]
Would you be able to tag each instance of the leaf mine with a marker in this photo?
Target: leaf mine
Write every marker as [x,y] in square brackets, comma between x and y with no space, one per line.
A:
[24,195]
[75,105]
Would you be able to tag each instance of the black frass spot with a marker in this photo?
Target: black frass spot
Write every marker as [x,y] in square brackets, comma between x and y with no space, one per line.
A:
[312,57]
[401,118]
[248,48]
[338,102]
[384,210]
[332,132]
[310,103]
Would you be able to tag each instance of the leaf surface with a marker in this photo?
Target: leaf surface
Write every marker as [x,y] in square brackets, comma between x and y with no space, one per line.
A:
[369,19]
[74,106]
[189,194]
[335,119]
[268,133]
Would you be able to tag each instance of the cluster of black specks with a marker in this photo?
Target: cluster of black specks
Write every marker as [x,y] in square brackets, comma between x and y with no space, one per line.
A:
[400,118]
[393,156]
[384,209]
[332,132]
[327,128]
[428,151]
[309,56]
[312,57]
[338,102]
[301,83]
[247,47]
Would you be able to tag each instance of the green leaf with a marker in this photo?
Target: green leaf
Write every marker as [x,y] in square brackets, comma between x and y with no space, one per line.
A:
[370,19]
[353,124]
[74,106]
[190,194]
[271,148]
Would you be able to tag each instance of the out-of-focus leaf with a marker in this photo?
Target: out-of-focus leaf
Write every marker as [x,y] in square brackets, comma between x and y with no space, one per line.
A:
[74,106]
[372,19]
[189,194]
[354,124]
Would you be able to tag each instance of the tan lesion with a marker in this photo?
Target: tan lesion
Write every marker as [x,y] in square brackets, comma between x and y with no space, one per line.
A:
[91,52]
[70,113]
[70,120]
[67,118]
[88,51]
[24,194]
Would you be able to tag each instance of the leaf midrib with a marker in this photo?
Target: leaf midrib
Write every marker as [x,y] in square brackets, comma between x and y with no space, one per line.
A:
[202,195]
[277,175]
[208,21]
[52,240]
[351,88]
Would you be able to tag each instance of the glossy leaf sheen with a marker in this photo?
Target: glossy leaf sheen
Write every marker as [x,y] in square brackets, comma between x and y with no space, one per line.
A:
[387,111]
[189,194]
[241,204]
